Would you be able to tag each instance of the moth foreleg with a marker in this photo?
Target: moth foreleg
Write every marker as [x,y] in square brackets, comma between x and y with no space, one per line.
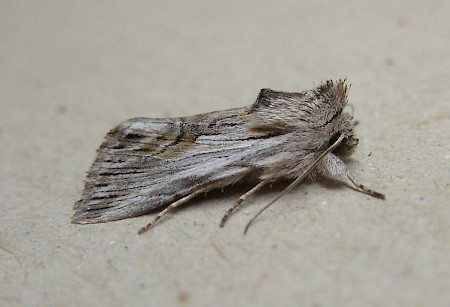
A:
[364,189]
[171,207]
[334,166]
[241,199]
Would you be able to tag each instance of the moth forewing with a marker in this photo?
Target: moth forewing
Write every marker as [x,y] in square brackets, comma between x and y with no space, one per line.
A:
[145,164]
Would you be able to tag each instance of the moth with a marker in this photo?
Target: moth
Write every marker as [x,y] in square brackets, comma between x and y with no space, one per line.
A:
[147,164]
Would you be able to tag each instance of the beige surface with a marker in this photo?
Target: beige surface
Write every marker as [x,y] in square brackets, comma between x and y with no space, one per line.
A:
[71,70]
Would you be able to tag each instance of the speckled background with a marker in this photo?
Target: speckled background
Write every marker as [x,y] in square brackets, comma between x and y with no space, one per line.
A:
[71,70]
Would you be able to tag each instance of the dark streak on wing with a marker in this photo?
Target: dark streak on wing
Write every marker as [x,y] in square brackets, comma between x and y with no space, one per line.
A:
[175,141]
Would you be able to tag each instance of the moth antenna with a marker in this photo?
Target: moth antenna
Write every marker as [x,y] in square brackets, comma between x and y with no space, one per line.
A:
[297,180]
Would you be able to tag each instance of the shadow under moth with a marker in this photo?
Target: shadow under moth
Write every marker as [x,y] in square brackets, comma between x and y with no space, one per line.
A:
[146,164]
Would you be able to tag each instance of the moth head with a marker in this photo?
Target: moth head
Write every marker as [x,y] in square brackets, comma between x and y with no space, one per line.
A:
[333,96]
[344,126]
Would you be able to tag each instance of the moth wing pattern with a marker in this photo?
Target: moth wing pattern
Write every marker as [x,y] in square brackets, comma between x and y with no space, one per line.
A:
[147,163]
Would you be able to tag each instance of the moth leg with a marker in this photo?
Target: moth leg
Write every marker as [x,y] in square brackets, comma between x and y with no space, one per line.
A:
[241,199]
[322,168]
[334,166]
[171,207]
[364,189]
